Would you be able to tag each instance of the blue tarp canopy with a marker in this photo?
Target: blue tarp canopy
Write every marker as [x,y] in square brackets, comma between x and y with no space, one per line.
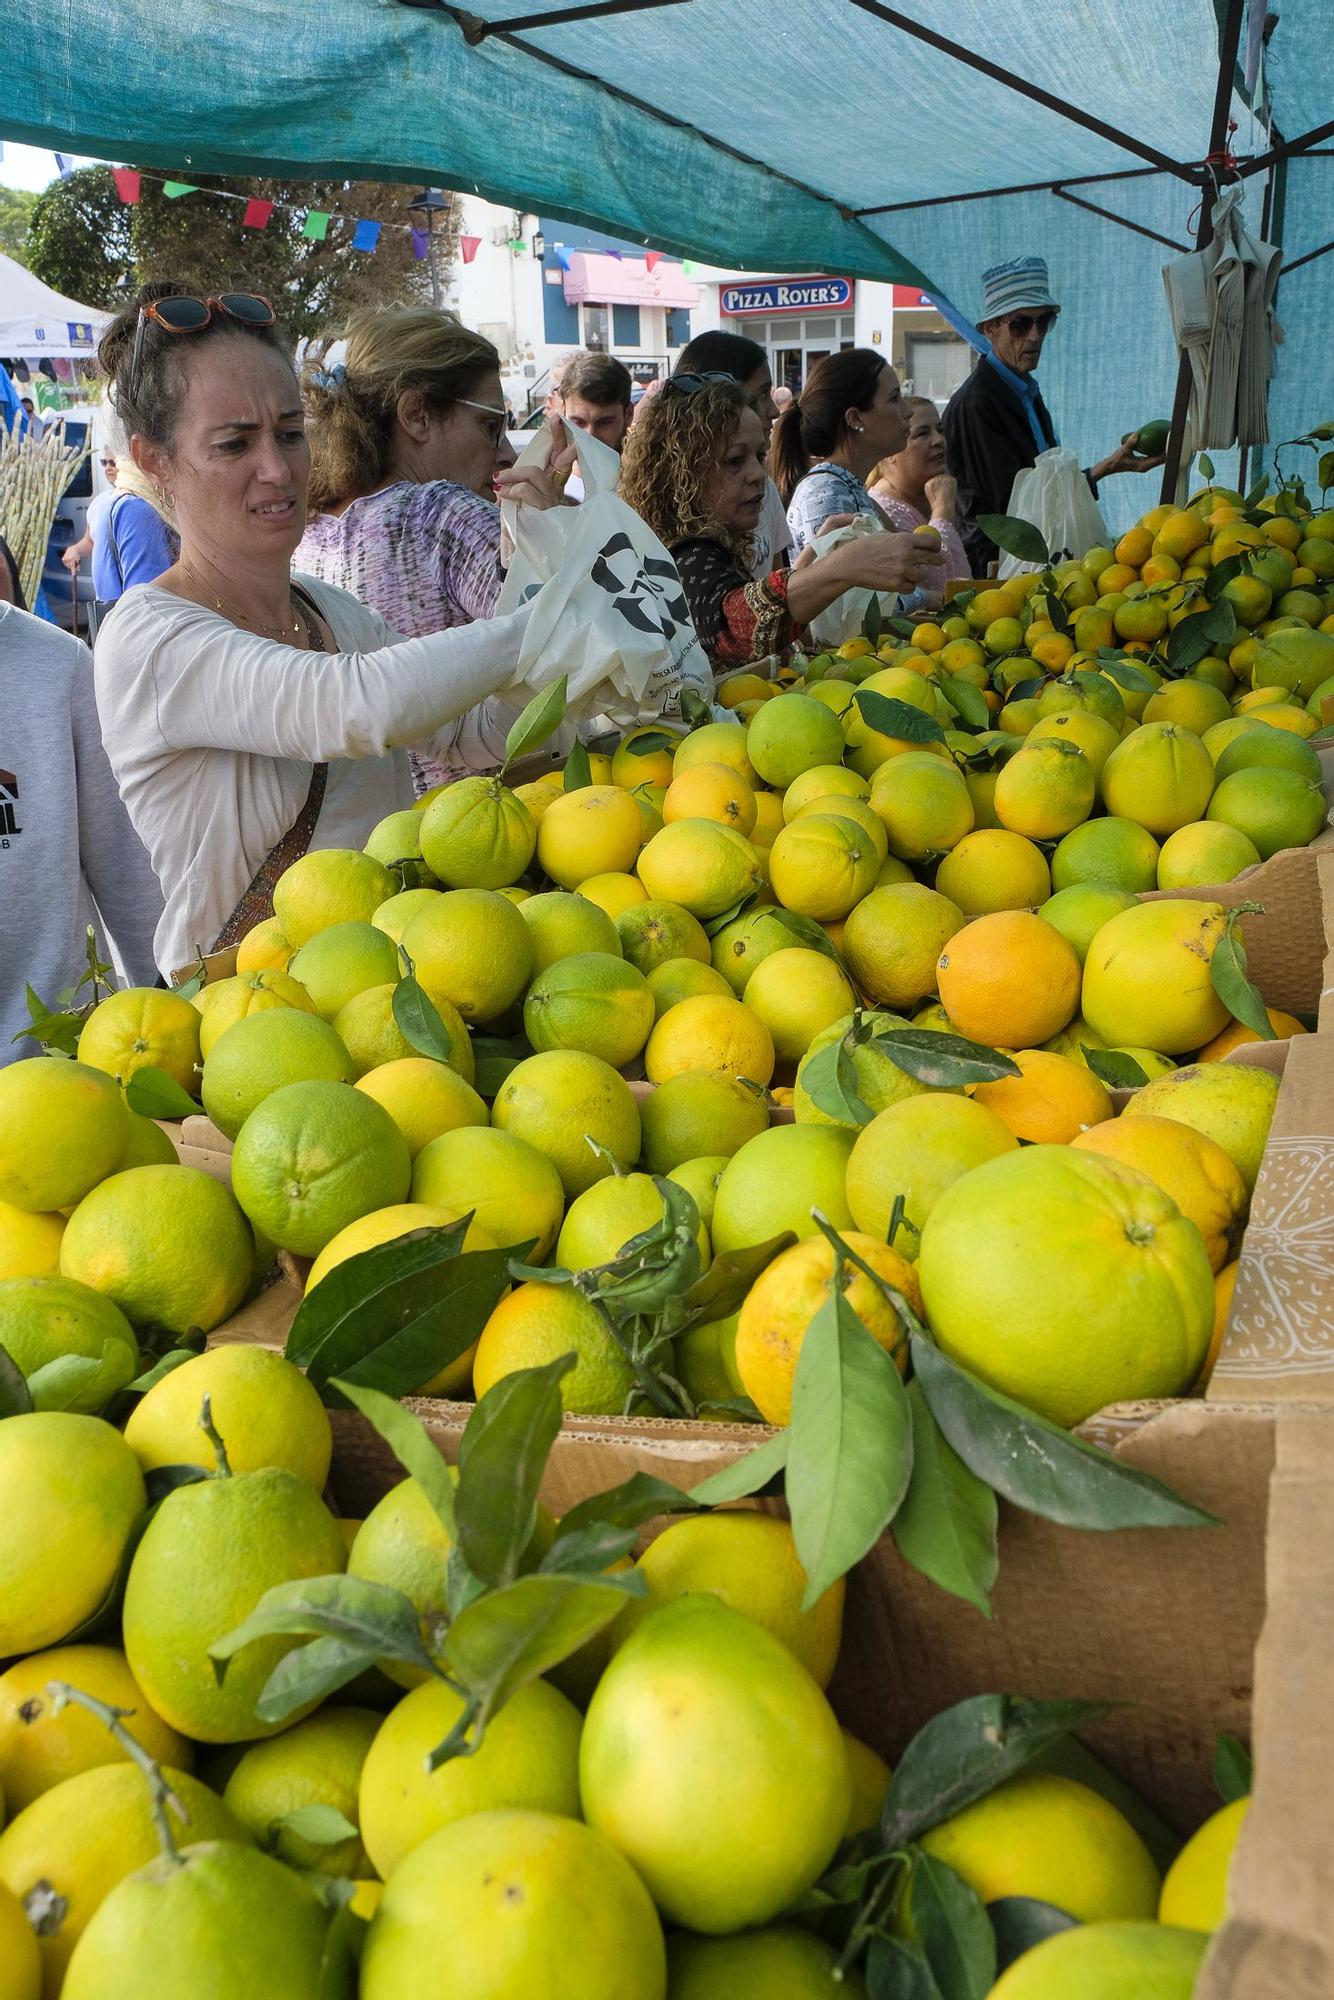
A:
[771,135]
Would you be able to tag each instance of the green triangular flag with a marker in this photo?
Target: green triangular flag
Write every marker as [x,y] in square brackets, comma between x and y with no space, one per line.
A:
[689,268]
[173,189]
[317,225]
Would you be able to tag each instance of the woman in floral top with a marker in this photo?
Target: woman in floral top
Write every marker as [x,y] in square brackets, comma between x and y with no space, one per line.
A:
[409,458]
[693,467]
[913,488]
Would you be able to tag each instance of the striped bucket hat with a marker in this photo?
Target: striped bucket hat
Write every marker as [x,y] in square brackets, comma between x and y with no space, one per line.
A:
[1019,286]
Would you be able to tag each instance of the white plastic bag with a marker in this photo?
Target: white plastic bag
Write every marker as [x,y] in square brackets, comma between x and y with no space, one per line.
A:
[1055,496]
[608,610]
[845,618]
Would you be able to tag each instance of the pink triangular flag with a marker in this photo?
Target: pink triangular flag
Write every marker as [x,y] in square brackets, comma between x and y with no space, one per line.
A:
[127,184]
[652,259]
[257,215]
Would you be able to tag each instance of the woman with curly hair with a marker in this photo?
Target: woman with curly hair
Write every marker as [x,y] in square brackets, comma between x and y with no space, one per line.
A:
[693,467]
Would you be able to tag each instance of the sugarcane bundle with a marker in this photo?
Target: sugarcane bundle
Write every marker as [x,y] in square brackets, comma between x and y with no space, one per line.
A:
[33,476]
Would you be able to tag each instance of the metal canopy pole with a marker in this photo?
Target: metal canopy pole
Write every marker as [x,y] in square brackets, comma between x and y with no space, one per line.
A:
[1031,90]
[1305,142]
[1229,44]
[476,30]
[1019,187]
[1109,215]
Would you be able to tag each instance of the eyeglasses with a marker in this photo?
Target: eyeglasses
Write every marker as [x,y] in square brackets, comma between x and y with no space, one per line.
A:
[688,384]
[190,315]
[1022,323]
[495,430]
[107,464]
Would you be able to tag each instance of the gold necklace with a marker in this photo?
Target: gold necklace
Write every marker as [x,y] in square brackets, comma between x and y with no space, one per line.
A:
[275,631]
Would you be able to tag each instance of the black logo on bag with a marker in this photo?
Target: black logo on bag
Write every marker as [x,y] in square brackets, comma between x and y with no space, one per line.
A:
[646,590]
[9,806]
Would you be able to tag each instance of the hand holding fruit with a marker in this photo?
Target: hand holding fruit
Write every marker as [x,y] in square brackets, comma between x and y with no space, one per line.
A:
[888,562]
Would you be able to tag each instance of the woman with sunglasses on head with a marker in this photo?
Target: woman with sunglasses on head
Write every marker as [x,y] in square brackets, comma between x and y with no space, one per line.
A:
[249,714]
[409,459]
[996,422]
[694,468]
[913,489]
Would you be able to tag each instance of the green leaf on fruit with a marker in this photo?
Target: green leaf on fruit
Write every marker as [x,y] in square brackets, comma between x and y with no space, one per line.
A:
[944,1062]
[588,1551]
[1205,465]
[1234,1773]
[1223,573]
[1233,985]
[950,1923]
[417,1019]
[850,1444]
[499,1643]
[1187,643]
[1020,1922]
[81,1381]
[829,1078]
[1016,536]
[394,1316]
[15,1400]
[1117,1070]
[1036,1464]
[965,1752]
[748,1476]
[578,770]
[873,622]
[897,1970]
[154,1094]
[713,925]
[968,700]
[1258,491]
[494,1056]
[502,1455]
[318,1825]
[1125,673]
[720,1291]
[352,1621]
[540,719]
[407,1438]
[946,1526]
[897,719]
[165,1365]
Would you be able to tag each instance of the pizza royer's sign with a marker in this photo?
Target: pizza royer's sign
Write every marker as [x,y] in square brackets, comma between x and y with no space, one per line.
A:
[787,295]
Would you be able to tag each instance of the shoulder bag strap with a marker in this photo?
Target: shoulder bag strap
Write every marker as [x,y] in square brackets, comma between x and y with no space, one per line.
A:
[257,903]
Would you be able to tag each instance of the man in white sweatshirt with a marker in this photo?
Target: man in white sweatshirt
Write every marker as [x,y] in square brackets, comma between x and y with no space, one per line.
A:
[69,856]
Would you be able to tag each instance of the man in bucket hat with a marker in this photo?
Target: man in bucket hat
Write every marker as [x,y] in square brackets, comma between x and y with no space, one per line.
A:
[997,423]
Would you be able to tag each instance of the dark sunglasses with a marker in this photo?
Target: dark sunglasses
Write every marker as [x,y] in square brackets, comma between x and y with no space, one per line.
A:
[189,315]
[1022,323]
[689,385]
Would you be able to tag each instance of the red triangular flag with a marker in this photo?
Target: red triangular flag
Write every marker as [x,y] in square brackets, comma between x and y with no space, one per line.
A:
[652,259]
[469,245]
[127,184]
[257,215]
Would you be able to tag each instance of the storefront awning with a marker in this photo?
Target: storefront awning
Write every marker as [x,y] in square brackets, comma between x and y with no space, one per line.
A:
[627,281]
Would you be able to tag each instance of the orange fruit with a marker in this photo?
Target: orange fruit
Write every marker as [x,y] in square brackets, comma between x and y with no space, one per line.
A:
[923,804]
[1236,1034]
[537,1323]
[710,791]
[594,831]
[1008,980]
[1053,1099]
[721,1036]
[785,1298]
[1161,777]
[1188,1165]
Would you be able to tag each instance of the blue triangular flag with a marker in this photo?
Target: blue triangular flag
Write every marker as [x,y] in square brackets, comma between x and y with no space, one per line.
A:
[65,162]
[366,235]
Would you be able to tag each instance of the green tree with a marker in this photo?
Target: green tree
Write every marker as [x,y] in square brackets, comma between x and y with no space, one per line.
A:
[89,245]
[16,207]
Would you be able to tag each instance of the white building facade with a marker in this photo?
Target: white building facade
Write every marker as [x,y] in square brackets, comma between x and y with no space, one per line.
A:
[539,288]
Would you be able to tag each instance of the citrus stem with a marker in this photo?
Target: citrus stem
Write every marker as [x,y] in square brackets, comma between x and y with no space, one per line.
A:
[907,1318]
[214,1436]
[161,1796]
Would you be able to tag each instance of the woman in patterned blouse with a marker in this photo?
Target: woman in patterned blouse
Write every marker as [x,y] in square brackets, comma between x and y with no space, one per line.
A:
[693,467]
[913,488]
[409,458]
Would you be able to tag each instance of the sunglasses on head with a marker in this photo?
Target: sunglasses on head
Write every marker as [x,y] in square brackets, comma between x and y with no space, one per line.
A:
[189,315]
[689,385]
[1022,323]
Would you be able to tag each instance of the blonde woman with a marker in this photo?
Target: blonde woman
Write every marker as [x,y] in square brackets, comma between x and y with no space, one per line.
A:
[409,459]
[913,487]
